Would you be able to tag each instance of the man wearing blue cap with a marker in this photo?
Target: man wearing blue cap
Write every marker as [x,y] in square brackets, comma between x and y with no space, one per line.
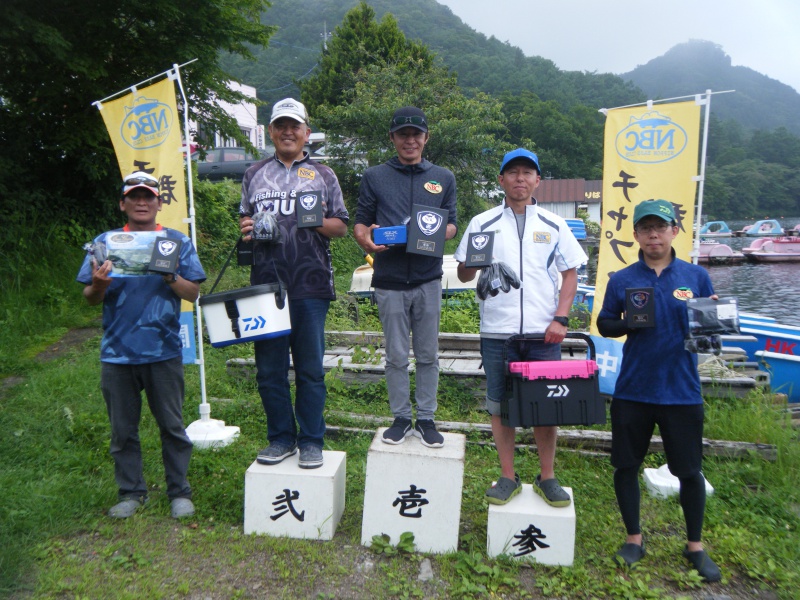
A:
[671,397]
[538,245]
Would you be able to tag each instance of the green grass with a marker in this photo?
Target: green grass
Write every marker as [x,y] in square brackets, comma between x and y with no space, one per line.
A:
[57,482]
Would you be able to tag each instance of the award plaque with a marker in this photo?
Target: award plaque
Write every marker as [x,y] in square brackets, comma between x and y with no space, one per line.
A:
[640,307]
[308,208]
[164,259]
[479,249]
[426,231]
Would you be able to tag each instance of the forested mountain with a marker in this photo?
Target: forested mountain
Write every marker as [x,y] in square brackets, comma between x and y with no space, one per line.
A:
[753,137]
[481,63]
[695,66]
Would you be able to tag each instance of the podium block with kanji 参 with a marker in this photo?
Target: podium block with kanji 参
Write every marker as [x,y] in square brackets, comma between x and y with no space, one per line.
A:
[285,500]
[529,528]
[413,488]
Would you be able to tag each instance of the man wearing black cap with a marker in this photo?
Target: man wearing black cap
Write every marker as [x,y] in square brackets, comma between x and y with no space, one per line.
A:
[408,287]
[142,349]
[658,382]
[539,246]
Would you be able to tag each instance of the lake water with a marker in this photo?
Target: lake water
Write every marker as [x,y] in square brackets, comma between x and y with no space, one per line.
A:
[772,290]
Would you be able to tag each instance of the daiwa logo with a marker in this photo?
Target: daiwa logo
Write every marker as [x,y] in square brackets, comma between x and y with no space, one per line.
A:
[651,138]
[147,123]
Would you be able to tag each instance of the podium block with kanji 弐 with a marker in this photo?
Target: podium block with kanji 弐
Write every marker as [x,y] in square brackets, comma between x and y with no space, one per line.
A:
[413,488]
[529,528]
[285,500]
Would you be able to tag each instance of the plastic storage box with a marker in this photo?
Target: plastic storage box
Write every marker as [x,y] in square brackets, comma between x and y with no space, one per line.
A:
[544,393]
[245,315]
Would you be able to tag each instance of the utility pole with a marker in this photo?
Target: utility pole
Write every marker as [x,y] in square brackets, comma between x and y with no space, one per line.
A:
[325,35]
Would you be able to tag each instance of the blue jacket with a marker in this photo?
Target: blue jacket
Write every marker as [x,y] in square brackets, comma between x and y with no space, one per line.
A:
[656,368]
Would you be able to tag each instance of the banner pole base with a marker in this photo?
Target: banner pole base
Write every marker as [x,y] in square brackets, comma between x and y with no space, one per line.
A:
[210,433]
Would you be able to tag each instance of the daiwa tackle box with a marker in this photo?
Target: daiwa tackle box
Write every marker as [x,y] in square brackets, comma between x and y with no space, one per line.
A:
[545,393]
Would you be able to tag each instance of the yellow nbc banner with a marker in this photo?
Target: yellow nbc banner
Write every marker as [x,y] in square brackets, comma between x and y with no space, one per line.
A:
[649,153]
[145,130]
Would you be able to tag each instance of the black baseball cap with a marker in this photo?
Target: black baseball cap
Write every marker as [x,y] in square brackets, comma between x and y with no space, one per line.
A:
[408,116]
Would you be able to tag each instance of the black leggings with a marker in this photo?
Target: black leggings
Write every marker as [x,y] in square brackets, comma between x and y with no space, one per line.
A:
[692,499]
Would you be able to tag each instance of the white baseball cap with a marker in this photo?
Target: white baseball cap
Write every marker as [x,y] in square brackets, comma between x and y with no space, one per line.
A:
[289,107]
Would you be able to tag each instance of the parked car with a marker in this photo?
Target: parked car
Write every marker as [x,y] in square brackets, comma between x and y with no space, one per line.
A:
[227,163]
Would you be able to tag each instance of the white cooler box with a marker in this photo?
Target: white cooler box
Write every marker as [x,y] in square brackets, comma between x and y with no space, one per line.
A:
[245,315]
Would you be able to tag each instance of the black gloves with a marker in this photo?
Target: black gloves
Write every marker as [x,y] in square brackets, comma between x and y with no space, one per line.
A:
[497,277]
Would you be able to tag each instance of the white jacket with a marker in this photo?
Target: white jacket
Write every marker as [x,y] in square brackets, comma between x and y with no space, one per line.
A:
[547,247]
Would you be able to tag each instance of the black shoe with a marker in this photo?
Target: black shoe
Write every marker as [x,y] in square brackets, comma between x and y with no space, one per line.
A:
[551,492]
[310,457]
[425,430]
[630,553]
[504,490]
[275,453]
[702,563]
[398,432]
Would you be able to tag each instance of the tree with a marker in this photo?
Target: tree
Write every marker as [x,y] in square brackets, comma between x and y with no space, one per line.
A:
[56,58]
[360,40]
[464,132]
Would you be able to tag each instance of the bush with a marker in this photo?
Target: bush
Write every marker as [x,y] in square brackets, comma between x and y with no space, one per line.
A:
[217,218]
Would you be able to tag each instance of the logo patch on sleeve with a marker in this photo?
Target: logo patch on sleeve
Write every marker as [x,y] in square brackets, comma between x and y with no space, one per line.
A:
[541,237]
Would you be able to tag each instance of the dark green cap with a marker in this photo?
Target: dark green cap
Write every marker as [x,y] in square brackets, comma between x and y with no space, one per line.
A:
[656,208]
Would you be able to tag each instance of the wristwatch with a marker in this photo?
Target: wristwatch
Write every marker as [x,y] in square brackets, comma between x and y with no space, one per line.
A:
[562,321]
[173,280]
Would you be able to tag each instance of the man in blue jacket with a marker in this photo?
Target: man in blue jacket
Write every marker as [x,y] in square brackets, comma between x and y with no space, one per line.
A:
[408,287]
[658,382]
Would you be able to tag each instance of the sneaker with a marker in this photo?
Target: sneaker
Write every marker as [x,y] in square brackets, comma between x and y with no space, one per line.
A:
[127,507]
[398,432]
[504,490]
[630,554]
[275,453]
[703,564]
[551,491]
[181,507]
[425,430]
[310,457]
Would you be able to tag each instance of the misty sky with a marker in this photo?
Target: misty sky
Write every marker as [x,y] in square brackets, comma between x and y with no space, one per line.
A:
[616,36]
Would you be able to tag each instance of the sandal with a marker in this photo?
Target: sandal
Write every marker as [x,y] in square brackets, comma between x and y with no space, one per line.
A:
[551,492]
[504,490]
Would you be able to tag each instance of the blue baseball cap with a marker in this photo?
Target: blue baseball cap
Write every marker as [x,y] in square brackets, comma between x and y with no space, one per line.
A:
[655,208]
[520,153]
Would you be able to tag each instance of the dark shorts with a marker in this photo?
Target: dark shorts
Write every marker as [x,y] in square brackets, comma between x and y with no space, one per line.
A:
[680,425]
[494,364]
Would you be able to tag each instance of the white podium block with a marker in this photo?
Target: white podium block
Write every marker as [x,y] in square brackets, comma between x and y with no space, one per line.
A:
[413,488]
[529,528]
[285,500]
[661,483]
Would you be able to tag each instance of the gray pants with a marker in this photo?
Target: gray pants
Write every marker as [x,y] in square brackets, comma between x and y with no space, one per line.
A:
[162,382]
[414,311]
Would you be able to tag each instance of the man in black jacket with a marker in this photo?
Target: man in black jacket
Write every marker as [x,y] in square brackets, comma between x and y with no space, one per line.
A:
[408,287]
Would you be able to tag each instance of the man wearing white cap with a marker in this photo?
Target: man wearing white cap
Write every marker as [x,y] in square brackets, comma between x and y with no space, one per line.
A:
[142,350]
[299,259]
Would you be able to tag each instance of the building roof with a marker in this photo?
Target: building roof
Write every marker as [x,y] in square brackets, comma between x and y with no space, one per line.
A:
[570,190]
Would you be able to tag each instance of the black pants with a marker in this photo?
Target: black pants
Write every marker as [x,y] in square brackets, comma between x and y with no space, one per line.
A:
[681,427]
